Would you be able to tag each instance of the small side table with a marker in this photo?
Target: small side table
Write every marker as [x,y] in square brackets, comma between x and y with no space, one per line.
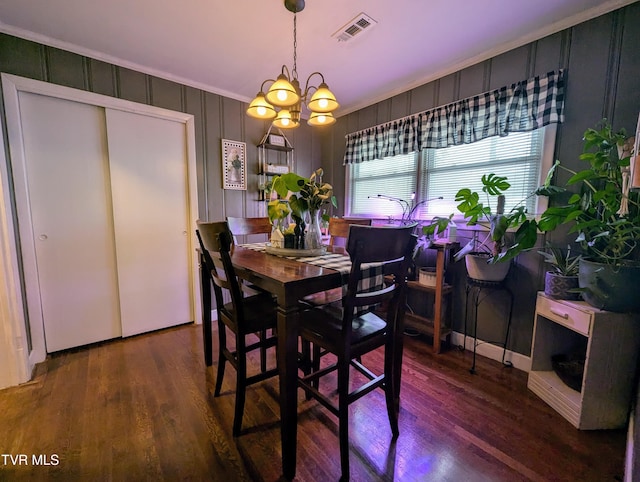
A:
[477,291]
[610,345]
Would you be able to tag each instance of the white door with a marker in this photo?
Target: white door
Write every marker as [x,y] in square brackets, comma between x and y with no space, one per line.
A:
[95,267]
[148,164]
[69,194]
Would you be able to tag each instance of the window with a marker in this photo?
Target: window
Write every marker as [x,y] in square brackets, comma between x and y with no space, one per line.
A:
[391,176]
[523,157]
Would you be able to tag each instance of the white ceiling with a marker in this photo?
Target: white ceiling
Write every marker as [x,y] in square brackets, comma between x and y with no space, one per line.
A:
[230,47]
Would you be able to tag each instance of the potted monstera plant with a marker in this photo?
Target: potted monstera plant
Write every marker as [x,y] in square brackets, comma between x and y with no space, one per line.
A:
[503,235]
[605,216]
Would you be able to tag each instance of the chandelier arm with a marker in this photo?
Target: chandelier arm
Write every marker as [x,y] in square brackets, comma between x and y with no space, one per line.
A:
[263,84]
[288,74]
[308,87]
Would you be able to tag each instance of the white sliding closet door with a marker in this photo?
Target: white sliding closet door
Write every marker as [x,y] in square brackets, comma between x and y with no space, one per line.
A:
[106,201]
[148,163]
[69,192]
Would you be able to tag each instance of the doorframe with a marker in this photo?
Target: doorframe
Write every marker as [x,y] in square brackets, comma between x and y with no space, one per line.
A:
[13,331]
[12,318]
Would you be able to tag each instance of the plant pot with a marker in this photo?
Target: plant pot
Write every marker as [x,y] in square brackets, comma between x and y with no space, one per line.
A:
[557,286]
[608,288]
[479,269]
[427,276]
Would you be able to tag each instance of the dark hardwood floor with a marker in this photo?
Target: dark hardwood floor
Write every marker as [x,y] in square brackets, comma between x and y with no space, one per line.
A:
[142,409]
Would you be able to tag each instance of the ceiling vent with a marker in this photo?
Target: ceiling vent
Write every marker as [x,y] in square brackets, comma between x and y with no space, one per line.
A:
[362,22]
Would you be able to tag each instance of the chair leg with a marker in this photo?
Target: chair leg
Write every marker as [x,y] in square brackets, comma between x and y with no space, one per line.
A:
[263,351]
[206,316]
[305,362]
[315,366]
[222,346]
[343,416]
[391,410]
[241,384]
[306,356]
[390,389]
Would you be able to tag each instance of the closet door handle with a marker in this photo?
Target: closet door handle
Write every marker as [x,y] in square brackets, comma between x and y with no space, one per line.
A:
[43,237]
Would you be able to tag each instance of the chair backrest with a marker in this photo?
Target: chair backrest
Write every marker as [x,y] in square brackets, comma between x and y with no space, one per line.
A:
[392,246]
[248,226]
[215,237]
[339,229]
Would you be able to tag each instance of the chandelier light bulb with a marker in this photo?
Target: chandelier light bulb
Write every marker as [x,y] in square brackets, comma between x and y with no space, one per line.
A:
[321,119]
[323,100]
[282,93]
[260,108]
[284,120]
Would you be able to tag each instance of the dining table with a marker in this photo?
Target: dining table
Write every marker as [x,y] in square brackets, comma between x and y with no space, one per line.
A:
[289,279]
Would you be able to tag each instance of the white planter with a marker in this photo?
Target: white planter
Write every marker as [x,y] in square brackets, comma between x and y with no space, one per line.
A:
[479,269]
[427,276]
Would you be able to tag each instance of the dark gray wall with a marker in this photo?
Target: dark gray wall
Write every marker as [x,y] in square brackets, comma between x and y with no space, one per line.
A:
[602,59]
[216,117]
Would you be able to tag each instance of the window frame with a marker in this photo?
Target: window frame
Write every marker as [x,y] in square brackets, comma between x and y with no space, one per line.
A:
[546,161]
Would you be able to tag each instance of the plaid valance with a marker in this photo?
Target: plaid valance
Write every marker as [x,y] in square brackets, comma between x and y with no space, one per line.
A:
[523,106]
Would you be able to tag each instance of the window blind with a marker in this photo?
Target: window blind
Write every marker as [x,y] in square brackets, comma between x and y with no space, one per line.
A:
[439,173]
[392,176]
[516,156]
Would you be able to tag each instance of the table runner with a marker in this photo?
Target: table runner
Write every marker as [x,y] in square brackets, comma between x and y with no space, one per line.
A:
[372,273]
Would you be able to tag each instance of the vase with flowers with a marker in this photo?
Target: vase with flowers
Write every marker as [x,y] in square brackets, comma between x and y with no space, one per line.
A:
[306,197]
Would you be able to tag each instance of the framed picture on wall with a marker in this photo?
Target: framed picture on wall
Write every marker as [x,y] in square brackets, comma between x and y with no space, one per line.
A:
[234,165]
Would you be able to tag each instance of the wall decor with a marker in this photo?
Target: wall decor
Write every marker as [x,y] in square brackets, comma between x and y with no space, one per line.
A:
[234,165]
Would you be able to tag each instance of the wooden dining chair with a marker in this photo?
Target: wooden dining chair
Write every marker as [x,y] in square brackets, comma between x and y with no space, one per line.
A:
[349,336]
[338,232]
[339,229]
[248,226]
[243,315]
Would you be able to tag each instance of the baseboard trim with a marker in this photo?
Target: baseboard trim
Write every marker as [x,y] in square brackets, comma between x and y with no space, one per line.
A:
[494,352]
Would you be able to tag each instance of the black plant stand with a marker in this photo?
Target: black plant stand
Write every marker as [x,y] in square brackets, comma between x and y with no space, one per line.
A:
[477,291]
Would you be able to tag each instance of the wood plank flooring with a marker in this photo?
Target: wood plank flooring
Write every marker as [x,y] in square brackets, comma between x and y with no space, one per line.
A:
[142,409]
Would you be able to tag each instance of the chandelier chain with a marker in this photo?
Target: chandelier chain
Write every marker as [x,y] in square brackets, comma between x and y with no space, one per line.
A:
[295,46]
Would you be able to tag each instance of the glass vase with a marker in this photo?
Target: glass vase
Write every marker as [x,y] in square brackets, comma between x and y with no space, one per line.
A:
[313,238]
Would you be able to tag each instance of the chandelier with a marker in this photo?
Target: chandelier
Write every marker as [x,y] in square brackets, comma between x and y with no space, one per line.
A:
[283,101]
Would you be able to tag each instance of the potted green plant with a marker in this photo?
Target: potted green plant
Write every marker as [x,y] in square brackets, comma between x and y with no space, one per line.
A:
[561,281]
[487,259]
[305,196]
[605,215]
